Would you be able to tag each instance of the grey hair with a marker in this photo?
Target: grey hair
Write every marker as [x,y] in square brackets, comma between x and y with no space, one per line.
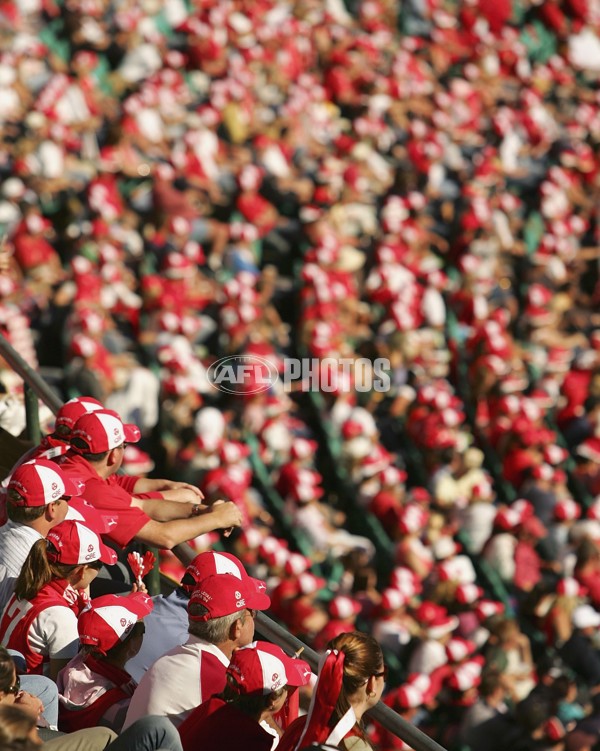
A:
[215,630]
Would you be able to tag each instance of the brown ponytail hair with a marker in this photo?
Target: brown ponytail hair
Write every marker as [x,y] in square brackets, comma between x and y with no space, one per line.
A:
[362,659]
[37,571]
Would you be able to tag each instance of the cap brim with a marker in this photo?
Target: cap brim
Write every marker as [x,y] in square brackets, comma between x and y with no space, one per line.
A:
[107,555]
[132,433]
[139,604]
[74,486]
[258,599]
[298,672]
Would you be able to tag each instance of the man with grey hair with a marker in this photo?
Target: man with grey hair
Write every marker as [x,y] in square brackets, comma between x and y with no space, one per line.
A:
[221,615]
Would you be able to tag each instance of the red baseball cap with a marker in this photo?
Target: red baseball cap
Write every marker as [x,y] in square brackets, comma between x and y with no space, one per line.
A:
[102,431]
[41,482]
[212,563]
[73,543]
[225,594]
[72,410]
[262,667]
[110,619]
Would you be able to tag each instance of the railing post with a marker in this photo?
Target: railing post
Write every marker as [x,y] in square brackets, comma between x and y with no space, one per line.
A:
[32,415]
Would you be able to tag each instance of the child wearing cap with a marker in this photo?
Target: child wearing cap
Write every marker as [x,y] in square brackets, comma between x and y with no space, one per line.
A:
[95,689]
[40,620]
[260,679]
[37,495]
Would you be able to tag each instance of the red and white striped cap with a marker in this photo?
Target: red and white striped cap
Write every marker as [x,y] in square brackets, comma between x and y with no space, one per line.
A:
[262,667]
[102,431]
[570,587]
[457,649]
[567,510]
[344,607]
[211,563]
[487,608]
[72,543]
[110,618]
[40,482]
[392,599]
[72,410]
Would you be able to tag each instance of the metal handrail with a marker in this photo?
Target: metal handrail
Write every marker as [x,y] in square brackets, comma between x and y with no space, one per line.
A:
[266,626]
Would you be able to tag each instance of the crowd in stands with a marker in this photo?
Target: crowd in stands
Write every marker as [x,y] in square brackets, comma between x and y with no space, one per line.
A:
[351,180]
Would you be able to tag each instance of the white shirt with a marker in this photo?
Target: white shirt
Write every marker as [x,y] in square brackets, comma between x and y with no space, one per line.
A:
[16,540]
[173,685]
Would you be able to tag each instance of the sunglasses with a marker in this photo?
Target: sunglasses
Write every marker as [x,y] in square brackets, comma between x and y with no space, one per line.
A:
[382,674]
[15,688]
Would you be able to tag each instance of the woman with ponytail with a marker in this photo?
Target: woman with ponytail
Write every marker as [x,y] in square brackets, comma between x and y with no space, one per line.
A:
[351,681]
[40,619]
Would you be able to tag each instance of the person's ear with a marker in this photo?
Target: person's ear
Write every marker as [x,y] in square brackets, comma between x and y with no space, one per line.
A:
[111,458]
[235,630]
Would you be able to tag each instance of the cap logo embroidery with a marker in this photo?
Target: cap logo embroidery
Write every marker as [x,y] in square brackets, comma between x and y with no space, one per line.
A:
[238,595]
[123,622]
[240,603]
[90,548]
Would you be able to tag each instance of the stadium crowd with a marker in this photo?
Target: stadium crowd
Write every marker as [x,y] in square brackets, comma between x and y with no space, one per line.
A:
[410,182]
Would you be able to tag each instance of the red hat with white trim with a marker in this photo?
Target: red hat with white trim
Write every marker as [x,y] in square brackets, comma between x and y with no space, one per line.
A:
[100,431]
[302,448]
[72,543]
[570,587]
[566,509]
[213,563]
[467,593]
[441,625]
[392,599]
[297,564]
[344,607]
[225,594]
[262,668]
[457,649]
[487,608]
[407,696]
[72,410]
[41,482]
[136,461]
[111,618]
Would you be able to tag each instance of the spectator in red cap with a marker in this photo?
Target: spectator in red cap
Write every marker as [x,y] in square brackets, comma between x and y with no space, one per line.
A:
[97,448]
[351,681]
[167,624]
[37,498]
[260,678]
[95,689]
[221,614]
[57,442]
[40,620]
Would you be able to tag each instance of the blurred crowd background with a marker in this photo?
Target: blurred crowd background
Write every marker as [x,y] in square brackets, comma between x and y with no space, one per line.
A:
[417,181]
